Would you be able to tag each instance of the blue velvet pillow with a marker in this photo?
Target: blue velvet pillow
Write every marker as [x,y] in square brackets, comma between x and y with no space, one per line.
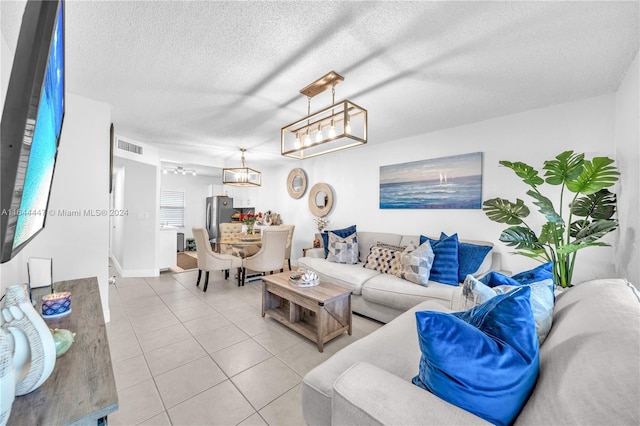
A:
[484,360]
[470,257]
[445,262]
[540,273]
[342,233]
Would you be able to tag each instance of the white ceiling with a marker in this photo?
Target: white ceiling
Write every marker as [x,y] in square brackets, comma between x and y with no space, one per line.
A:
[208,77]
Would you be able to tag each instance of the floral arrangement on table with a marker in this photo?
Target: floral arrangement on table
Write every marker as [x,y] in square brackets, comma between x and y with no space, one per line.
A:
[250,219]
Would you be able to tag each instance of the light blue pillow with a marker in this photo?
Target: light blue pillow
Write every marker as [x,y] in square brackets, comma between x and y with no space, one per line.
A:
[485,360]
[343,250]
[416,263]
[445,262]
[343,233]
[475,292]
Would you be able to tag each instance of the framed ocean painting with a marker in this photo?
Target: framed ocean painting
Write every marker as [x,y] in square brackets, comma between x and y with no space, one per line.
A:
[453,182]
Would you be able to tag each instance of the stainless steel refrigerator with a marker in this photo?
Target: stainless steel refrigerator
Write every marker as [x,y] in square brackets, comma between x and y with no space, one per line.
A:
[219,210]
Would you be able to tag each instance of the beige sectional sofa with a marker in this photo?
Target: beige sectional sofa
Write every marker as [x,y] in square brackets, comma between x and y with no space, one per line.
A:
[589,369]
[383,296]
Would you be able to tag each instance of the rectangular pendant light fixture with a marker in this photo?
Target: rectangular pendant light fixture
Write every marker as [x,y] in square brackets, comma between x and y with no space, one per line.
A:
[339,126]
[241,176]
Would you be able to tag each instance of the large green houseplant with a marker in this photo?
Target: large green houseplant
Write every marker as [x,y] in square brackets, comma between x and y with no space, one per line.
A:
[579,223]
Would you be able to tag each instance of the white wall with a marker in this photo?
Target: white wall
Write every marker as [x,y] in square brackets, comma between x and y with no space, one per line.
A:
[628,157]
[533,136]
[78,244]
[197,189]
[136,236]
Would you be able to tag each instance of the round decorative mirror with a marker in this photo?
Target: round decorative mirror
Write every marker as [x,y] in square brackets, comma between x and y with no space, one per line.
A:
[296,183]
[320,199]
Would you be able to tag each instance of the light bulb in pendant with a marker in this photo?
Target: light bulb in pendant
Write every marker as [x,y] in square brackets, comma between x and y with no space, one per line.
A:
[319,134]
[332,130]
[297,142]
[347,128]
[307,139]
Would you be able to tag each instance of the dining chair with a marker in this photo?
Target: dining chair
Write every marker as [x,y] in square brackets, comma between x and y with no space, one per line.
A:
[270,257]
[229,232]
[208,260]
[287,251]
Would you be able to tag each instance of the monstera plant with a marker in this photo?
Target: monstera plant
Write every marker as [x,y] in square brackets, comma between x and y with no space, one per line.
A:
[584,215]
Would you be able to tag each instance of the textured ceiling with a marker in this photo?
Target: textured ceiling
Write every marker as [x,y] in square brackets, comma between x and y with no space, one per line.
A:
[206,77]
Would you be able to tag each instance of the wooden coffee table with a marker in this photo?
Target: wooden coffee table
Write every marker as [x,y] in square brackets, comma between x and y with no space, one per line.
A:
[319,313]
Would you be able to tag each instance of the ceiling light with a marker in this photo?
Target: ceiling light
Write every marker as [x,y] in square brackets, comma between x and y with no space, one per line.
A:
[241,176]
[179,169]
[346,123]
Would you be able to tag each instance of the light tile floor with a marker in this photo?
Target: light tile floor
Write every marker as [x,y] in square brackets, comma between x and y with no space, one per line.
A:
[184,357]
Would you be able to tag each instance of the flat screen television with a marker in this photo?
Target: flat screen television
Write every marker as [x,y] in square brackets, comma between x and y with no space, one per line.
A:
[31,124]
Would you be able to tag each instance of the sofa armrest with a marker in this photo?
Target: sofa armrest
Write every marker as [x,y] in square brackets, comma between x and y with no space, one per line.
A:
[315,252]
[368,395]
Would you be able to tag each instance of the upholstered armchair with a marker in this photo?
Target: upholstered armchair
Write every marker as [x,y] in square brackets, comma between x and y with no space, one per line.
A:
[287,251]
[270,257]
[229,232]
[210,261]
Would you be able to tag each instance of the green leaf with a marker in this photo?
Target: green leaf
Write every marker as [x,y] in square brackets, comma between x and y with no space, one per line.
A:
[528,174]
[577,227]
[595,230]
[545,207]
[600,205]
[504,211]
[521,238]
[571,248]
[551,233]
[567,166]
[539,255]
[597,174]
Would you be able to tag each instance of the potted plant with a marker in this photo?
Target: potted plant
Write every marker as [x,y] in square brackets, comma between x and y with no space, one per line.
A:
[585,214]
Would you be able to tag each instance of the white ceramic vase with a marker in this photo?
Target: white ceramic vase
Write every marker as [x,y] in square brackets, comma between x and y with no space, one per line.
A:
[34,350]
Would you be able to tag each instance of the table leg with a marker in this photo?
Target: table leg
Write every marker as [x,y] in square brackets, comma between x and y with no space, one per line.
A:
[320,328]
[264,296]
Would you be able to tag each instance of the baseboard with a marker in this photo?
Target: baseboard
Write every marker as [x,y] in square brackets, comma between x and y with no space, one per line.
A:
[134,272]
[116,265]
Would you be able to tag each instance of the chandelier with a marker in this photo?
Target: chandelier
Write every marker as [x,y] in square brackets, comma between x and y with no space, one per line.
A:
[241,176]
[178,170]
[339,126]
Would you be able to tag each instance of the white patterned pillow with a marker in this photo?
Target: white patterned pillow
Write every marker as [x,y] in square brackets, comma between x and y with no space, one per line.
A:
[383,260]
[416,263]
[343,250]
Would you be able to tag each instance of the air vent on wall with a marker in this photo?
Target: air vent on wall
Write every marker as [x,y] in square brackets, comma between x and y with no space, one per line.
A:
[128,146]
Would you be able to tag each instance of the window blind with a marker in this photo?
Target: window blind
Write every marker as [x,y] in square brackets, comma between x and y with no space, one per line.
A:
[172,207]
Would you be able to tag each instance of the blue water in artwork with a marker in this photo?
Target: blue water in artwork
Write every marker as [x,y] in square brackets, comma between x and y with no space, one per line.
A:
[460,193]
[35,193]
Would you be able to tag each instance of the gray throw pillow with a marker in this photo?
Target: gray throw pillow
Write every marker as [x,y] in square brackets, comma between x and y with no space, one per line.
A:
[343,250]
[416,263]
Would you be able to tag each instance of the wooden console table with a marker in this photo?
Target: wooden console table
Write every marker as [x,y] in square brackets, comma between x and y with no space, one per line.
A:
[81,390]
